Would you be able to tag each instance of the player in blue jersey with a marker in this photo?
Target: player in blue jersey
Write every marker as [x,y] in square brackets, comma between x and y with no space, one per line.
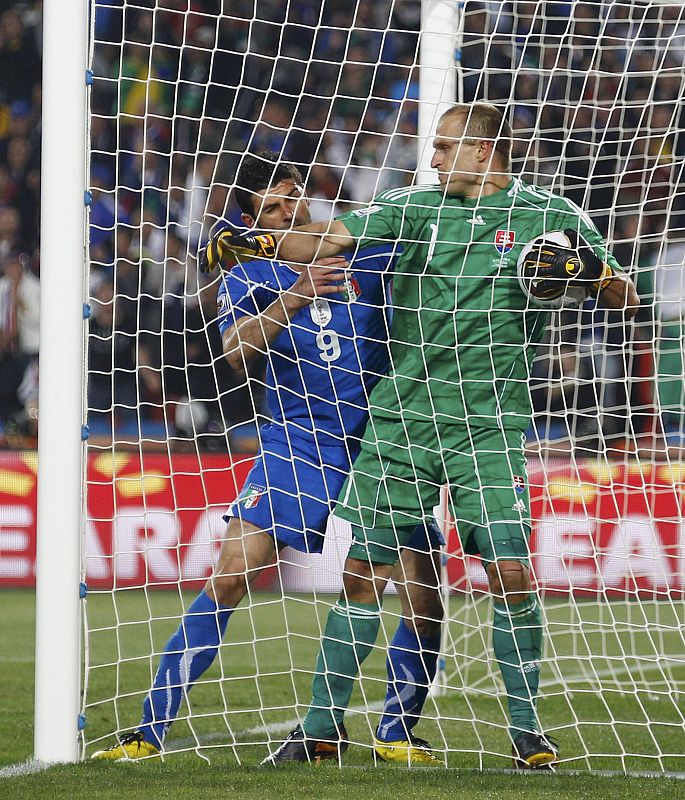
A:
[324,331]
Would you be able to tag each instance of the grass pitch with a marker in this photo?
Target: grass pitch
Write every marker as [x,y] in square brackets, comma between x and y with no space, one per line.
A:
[623,706]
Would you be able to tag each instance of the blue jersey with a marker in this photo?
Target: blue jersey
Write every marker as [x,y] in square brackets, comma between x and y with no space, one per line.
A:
[322,367]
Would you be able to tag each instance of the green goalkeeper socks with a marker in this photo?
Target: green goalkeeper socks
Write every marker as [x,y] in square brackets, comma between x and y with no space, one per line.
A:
[517,642]
[351,630]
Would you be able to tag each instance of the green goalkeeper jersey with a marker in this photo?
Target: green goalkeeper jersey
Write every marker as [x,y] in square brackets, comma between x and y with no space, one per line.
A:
[463,330]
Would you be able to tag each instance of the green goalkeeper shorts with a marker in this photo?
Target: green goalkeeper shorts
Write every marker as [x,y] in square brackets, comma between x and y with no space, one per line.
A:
[395,485]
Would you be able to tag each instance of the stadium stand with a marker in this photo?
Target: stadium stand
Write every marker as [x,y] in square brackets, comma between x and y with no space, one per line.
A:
[149,200]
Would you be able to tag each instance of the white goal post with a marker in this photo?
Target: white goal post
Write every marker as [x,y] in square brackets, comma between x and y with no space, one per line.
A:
[60,442]
[178,92]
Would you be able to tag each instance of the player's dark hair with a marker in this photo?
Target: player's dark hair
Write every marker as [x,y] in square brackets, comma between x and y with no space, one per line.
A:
[485,121]
[258,172]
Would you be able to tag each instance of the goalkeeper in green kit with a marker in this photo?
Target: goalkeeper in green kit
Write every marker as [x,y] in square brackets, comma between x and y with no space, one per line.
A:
[484,258]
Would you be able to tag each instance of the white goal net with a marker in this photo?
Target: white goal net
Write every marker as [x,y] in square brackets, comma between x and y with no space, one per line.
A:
[182,92]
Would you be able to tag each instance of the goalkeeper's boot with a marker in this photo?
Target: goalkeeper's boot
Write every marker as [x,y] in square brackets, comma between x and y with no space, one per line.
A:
[410,752]
[298,748]
[131,746]
[534,751]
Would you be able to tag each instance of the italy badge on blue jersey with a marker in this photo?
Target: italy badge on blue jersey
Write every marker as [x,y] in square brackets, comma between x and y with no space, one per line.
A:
[352,290]
[251,495]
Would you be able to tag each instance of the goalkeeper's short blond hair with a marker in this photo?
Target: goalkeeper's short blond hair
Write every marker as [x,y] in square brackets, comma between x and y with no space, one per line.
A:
[485,121]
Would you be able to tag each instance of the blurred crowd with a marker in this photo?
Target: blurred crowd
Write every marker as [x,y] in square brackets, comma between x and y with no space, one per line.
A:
[182,88]
[20,106]
[595,92]
[295,79]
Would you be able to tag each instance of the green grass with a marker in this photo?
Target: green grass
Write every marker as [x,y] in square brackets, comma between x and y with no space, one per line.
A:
[604,696]
[193,780]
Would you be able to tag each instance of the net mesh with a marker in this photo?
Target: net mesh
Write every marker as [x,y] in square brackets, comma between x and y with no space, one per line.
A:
[181,90]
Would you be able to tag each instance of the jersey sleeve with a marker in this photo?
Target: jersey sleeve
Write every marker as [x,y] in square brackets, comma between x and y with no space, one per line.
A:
[238,297]
[375,259]
[380,221]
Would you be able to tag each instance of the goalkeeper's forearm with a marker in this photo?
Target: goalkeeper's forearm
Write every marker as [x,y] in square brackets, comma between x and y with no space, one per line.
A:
[307,243]
[621,295]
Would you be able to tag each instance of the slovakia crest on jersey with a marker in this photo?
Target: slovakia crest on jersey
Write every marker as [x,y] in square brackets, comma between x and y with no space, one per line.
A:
[519,484]
[504,241]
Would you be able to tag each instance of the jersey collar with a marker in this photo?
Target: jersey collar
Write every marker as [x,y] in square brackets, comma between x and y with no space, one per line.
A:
[500,199]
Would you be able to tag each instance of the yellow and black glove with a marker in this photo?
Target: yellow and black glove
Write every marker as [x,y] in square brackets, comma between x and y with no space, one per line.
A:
[551,267]
[230,244]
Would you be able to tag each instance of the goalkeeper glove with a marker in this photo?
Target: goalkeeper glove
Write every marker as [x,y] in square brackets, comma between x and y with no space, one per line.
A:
[227,245]
[577,265]
[594,269]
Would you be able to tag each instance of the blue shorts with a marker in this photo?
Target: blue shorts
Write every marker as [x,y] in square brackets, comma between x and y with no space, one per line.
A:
[292,486]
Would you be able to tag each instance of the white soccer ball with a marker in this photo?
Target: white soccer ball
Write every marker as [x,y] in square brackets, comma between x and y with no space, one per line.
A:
[572,297]
[191,416]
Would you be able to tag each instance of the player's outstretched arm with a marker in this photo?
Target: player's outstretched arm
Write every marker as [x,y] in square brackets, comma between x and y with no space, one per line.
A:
[303,245]
[250,337]
[316,241]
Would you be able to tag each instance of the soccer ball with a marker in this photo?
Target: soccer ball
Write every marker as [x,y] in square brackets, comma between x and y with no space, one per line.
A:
[569,296]
[191,417]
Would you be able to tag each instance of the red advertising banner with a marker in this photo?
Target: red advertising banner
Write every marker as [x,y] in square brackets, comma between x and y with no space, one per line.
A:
[615,528]
[155,520]
[150,520]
